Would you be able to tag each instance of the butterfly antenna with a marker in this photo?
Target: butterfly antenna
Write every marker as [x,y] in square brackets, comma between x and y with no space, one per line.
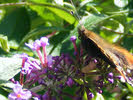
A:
[76,13]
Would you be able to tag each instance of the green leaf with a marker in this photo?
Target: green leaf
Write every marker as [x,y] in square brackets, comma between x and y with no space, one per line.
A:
[105,7]
[85,96]
[8,84]
[130,88]
[2,97]
[121,18]
[9,67]
[56,42]
[41,30]
[45,13]
[3,94]
[80,81]
[8,1]
[128,43]
[4,43]
[90,22]
[15,24]
[64,14]
[93,19]
[98,97]
[58,10]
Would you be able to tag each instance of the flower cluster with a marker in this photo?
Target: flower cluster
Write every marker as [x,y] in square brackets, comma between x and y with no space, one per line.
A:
[49,77]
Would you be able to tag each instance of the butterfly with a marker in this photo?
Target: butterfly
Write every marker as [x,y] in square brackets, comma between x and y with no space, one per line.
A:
[116,56]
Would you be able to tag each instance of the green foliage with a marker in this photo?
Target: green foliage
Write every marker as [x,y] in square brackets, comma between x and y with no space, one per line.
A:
[4,43]
[9,67]
[21,23]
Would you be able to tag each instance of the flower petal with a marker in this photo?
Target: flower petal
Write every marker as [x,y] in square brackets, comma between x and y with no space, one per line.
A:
[12,96]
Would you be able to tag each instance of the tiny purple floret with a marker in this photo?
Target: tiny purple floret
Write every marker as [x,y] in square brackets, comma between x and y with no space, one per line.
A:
[111,80]
[44,41]
[30,46]
[50,60]
[100,91]
[95,61]
[45,96]
[91,95]
[24,56]
[26,69]
[37,44]
[70,82]
[110,75]
[73,38]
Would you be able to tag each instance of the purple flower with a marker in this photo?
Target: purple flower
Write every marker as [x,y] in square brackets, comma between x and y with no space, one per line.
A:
[70,82]
[30,46]
[26,69]
[99,91]
[95,61]
[44,41]
[24,56]
[53,98]
[50,76]
[19,94]
[36,45]
[121,78]
[73,38]
[91,95]
[61,86]
[111,80]
[50,60]
[41,81]
[34,63]
[13,80]
[67,60]
[110,75]
[36,98]
[45,96]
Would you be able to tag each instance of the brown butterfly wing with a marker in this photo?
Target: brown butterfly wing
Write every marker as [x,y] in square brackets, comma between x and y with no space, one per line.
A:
[116,56]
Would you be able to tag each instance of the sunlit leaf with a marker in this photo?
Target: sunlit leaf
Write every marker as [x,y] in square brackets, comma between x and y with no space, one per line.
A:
[3,97]
[9,67]
[98,97]
[85,96]
[60,11]
[4,43]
